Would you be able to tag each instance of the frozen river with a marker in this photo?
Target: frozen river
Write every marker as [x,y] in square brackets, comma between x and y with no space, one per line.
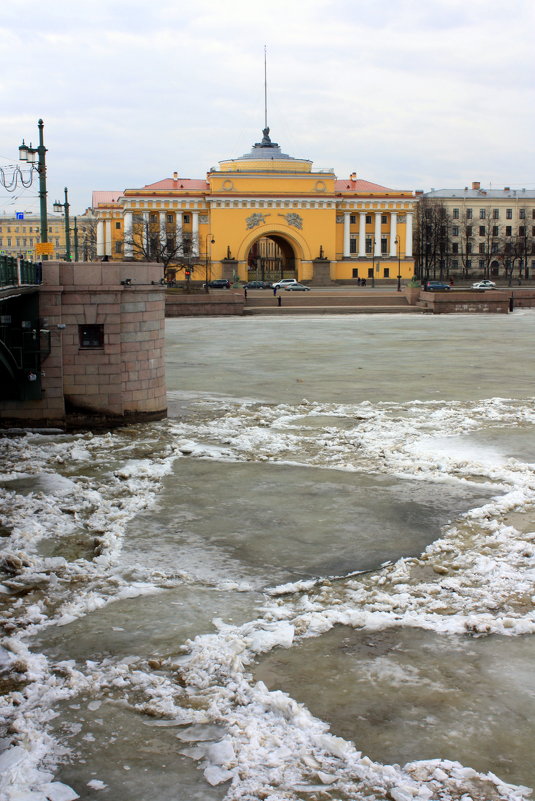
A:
[314,580]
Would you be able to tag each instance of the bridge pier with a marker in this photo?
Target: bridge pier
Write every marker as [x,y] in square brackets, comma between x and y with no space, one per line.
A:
[105,367]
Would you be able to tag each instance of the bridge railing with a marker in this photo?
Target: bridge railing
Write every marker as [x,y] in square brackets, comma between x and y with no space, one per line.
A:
[17,272]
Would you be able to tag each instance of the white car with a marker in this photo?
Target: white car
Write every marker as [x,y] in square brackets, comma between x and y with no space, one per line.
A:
[284,282]
[485,284]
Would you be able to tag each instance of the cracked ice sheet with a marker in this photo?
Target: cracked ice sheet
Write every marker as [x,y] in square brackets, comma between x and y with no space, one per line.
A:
[477,578]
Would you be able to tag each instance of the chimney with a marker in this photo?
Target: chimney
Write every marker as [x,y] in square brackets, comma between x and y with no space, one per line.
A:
[353,176]
[476,185]
[175,176]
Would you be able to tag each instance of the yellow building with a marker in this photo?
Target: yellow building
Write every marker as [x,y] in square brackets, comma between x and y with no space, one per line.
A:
[21,232]
[263,215]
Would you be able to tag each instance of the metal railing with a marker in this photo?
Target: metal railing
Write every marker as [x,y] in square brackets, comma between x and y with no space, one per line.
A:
[18,272]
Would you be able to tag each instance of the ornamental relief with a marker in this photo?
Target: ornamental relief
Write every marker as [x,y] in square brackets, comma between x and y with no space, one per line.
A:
[256,219]
[293,219]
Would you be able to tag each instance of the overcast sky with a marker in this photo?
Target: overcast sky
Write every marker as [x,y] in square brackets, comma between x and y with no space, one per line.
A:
[411,94]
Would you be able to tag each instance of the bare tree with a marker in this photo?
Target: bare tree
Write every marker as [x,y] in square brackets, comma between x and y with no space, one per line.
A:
[432,239]
[151,240]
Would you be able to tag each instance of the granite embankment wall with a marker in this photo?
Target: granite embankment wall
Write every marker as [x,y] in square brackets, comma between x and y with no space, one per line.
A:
[106,363]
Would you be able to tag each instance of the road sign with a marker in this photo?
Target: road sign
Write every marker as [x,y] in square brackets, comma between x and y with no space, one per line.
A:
[19,215]
[44,248]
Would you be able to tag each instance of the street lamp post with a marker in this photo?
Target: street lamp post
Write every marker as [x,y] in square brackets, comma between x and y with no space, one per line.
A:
[75,240]
[212,241]
[29,154]
[58,207]
[398,243]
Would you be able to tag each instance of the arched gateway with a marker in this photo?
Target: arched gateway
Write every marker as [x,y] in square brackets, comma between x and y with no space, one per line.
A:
[271,258]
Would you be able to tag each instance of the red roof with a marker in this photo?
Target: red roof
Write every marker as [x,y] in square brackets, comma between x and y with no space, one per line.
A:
[359,185]
[193,184]
[105,197]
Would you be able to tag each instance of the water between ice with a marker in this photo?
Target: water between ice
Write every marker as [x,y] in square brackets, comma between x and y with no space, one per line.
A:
[160,562]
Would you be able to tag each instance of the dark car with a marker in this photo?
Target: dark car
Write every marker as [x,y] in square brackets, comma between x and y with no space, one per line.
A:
[436,286]
[218,283]
[257,285]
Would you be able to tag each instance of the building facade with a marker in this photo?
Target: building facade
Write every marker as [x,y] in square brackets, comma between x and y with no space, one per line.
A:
[21,232]
[478,231]
[264,215]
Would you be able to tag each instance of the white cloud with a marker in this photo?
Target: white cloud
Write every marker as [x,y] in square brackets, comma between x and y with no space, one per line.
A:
[407,93]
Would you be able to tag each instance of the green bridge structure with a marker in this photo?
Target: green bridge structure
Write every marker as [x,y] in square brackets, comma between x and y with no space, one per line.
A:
[24,342]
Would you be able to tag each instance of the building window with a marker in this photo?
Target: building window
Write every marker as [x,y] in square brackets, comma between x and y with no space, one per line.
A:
[509,214]
[495,230]
[353,245]
[117,226]
[481,264]
[386,272]
[455,247]
[352,219]
[468,214]
[481,230]
[186,219]
[468,230]
[468,247]
[508,230]
[118,247]
[522,214]
[370,272]
[481,247]
[368,245]
[91,336]
[368,219]
[522,231]
[384,219]
[355,272]
[455,230]
[495,214]
[482,214]
[494,247]
[170,218]
[455,214]
[455,264]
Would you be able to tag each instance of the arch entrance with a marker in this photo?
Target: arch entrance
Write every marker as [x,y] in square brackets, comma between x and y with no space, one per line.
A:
[271,258]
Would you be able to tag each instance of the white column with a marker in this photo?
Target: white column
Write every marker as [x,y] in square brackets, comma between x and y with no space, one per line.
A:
[145,233]
[107,247]
[362,233]
[163,230]
[377,235]
[128,243]
[346,235]
[100,238]
[393,232]
[408,235]
[195,233]
[178,233]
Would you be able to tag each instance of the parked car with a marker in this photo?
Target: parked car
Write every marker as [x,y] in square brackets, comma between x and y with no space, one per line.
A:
[436,286]
[284,282]
[296,288]
[485,284]
[257,285]
[218,283]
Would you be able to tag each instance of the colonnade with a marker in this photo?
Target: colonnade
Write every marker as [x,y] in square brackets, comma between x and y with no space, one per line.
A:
[104,232]
[376,246]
